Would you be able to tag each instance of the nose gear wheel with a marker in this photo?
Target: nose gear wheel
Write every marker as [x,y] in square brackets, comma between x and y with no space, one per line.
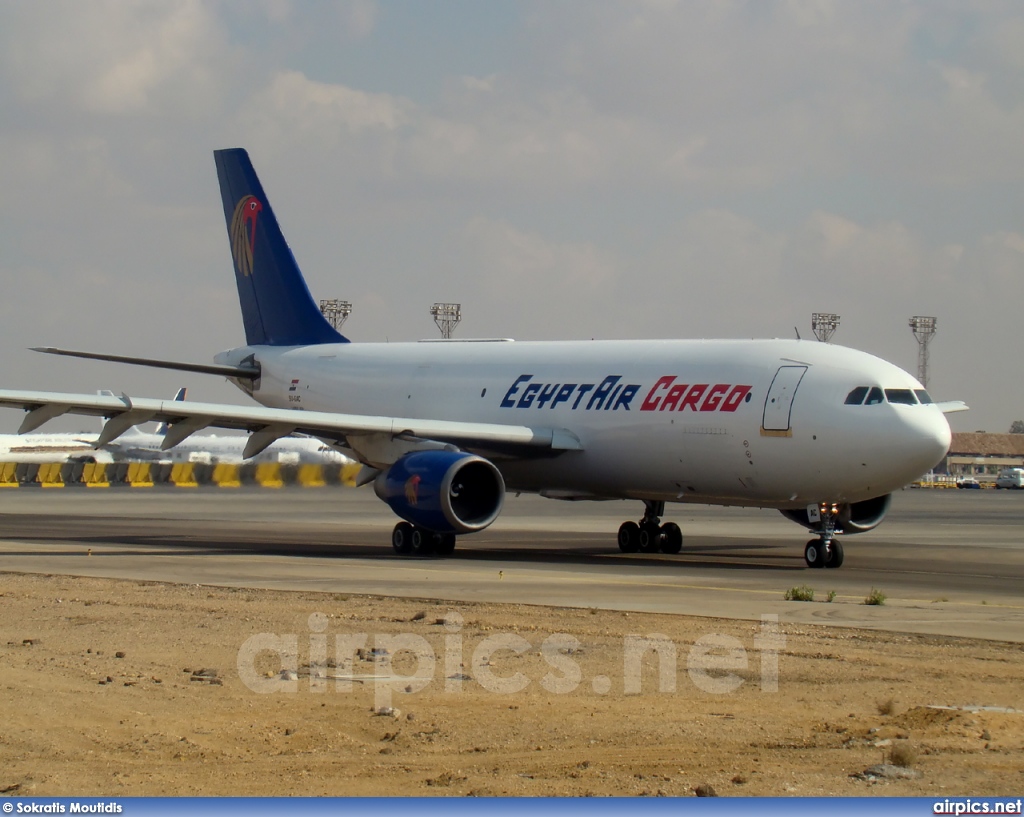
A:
[826,550]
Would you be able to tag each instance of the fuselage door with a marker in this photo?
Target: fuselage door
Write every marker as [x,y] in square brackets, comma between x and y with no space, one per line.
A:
[779,403]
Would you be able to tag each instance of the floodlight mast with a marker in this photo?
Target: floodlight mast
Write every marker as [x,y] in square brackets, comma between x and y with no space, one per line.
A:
[447,317]
[923,327]
[824,325]
[336,311]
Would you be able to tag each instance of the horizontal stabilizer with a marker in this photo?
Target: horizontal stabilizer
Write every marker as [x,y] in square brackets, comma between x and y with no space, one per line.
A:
[241,372]
[952,406]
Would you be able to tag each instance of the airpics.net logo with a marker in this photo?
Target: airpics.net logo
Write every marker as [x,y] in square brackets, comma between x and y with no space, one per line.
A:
[958,806]
[392,663]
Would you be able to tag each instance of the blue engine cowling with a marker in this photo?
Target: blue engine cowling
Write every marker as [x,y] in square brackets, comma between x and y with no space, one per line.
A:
[443,491]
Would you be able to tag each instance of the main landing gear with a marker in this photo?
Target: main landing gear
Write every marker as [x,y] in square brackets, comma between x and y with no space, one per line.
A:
[649,535]
[826,550]
[409,540]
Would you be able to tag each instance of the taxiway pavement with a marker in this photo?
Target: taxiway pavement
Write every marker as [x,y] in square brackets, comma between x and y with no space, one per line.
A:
[949,562]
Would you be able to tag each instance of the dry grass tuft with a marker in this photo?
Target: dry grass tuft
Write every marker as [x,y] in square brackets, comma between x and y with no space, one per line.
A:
[801,593]
[903,754]
[888,707]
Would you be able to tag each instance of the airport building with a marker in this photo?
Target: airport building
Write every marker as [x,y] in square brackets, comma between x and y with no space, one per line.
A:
[979,454]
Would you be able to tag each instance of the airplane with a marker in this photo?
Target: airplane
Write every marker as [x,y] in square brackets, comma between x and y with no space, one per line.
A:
[136,445]
[214,448]
[210,449]
[444,429]
[43,448]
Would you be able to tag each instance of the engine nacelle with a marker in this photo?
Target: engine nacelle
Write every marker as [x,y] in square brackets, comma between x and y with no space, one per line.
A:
[443,491]
[853,518]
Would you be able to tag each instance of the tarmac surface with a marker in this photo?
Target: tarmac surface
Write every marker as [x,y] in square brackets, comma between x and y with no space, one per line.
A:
[949,562]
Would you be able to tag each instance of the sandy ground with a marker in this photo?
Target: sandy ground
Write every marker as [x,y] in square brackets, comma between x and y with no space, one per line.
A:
[123,688]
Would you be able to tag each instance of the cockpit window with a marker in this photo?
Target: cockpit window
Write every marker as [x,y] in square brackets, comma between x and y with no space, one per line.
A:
[856,397]
[902,396]
[872,396]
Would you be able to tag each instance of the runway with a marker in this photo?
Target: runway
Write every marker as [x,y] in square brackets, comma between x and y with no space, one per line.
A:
[950,562]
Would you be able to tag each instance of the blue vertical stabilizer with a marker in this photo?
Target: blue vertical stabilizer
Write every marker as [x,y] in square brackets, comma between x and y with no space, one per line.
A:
[277,309]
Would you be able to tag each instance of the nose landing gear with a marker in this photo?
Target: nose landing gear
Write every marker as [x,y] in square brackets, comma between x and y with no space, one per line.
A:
[649,535]
[826,550]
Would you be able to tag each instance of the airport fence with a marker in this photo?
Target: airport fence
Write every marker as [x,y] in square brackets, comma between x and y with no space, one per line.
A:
[178,474]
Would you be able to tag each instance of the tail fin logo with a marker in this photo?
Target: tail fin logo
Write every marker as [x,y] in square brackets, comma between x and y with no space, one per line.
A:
[243,233]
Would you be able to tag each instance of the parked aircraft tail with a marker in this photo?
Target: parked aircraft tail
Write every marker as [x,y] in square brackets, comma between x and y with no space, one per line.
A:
[277,309]
[179,395]
[129,433]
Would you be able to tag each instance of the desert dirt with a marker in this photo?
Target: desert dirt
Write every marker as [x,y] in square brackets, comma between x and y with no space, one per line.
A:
[116,688]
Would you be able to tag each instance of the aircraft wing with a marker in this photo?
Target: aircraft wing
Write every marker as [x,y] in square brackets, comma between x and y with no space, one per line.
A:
[184,418]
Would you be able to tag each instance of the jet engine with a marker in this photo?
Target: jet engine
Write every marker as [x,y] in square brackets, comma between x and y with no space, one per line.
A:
[443,491]
[854,517]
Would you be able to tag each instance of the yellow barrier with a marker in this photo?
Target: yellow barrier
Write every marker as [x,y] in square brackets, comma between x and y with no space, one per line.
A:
[94,475]
[48,475]
[183,475]
[268,475]
[9,475]
[139,475]
[349,472]
[226,475]
[940,484]
[311,476]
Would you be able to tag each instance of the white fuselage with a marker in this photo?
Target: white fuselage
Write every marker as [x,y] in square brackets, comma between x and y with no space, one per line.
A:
[738,422]
[137,445]
[213,448]
[43,448]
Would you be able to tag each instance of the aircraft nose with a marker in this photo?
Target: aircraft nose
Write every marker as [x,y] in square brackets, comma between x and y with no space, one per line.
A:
[928,439]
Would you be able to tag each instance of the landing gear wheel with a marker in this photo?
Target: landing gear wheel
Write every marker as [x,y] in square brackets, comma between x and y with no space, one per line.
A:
[650,538]
[671,538]
[444,544]
[649,535]
[629,537]
[401,538]
[422,542]
[815,553]
[835,555]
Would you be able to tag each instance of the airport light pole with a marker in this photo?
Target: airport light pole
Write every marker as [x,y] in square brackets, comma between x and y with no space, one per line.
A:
[923,328]
[335,311]
[447,317]
[824,325]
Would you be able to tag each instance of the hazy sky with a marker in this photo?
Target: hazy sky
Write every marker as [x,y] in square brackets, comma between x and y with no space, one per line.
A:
[563,169]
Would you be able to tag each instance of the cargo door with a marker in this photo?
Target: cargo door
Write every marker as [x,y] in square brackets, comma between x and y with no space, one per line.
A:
[778,405]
